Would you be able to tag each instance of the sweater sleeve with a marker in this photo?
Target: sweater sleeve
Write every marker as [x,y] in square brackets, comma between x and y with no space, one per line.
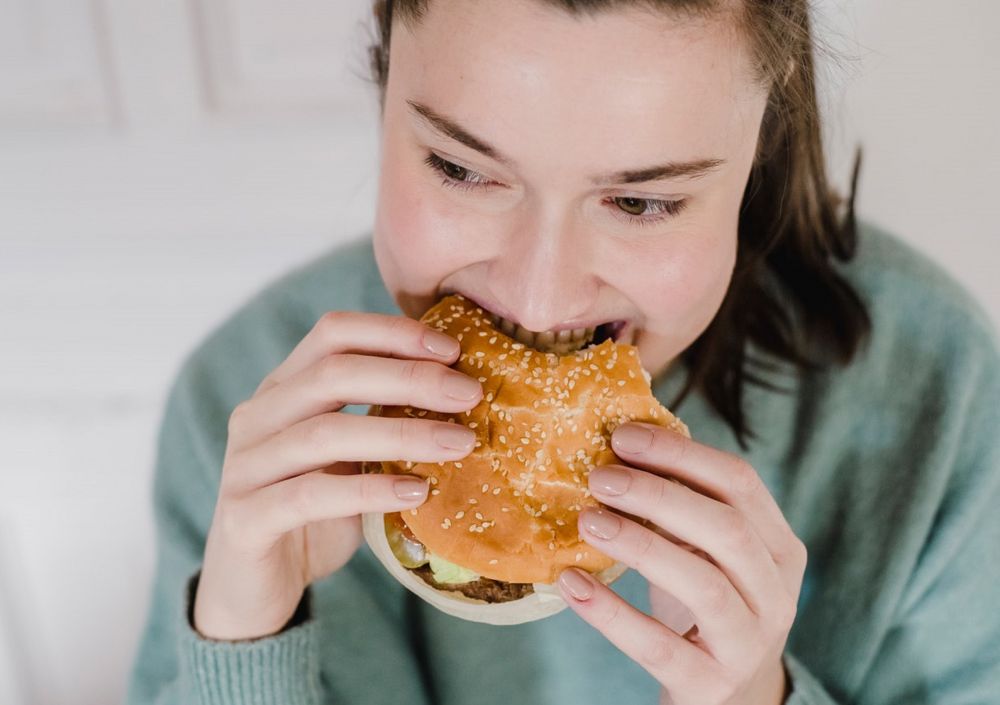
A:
[174,664]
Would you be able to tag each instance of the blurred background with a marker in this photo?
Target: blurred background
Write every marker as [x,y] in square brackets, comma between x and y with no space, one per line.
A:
[160,161]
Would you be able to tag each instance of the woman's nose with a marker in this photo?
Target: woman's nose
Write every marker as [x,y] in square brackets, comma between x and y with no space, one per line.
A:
[543,279]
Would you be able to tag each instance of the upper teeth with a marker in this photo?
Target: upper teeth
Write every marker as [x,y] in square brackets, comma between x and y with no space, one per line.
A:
[562,342]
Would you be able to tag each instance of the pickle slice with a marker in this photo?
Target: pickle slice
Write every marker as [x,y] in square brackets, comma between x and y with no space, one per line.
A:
[405,547]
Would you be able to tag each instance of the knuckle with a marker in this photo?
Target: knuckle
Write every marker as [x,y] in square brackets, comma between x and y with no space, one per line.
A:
[659,654]
[736,530]
[265,384]
[315,432]
[644,547]
[716,594]
[411,372]
[370,489]
[658,492]
[610,615]
[744,482]
[800,550]
[302,493]
[403,432]
[238,414]
[400,327]
[229,519]
[677,449]
[331,321]
[333,368]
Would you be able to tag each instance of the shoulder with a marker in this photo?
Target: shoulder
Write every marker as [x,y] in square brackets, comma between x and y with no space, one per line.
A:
[914,303]
[930,371]
[229,362]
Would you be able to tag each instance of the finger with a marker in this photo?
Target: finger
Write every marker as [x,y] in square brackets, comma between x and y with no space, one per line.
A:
[360,332]
[672,660]
[701,522]
[723,619]
[329,438]
[725,477]
[346,378]
[279,508]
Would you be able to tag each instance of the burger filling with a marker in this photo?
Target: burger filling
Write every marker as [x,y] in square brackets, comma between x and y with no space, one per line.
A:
[442,574]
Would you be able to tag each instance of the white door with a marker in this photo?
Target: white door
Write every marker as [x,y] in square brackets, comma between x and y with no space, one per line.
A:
[159,161]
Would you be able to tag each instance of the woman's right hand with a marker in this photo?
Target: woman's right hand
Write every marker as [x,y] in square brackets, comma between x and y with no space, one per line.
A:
[291,489]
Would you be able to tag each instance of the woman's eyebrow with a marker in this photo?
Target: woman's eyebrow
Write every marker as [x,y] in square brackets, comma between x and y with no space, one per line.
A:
[663,172]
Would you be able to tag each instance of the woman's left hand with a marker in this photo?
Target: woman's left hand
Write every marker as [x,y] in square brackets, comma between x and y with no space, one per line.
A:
[724,569]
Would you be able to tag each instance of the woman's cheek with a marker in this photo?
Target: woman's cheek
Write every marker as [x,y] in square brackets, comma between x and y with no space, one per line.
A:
[693,277]
[420,221]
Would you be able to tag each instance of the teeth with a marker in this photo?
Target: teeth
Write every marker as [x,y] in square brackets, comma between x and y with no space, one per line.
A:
[562,342]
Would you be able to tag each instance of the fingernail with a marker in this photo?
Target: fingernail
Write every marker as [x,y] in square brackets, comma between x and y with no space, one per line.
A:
[454,437]
[631,438]
[439,343]
[462,387]
[410,488]
[576,584]
[610,480]
[602,524]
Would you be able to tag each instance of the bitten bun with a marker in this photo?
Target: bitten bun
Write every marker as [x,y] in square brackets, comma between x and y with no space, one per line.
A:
[508,511]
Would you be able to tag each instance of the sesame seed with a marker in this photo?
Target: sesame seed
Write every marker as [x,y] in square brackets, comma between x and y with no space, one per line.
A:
[459,514]
[494,561]
[473,424]
[473,500]
[458,464]
[413,512]
[552,545]
[486,487]
[496,490]
[579,557]
[479,516]
[472,528]
[435,491]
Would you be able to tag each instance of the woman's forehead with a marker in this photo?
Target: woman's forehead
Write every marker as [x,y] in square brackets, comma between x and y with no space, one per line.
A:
[527,74]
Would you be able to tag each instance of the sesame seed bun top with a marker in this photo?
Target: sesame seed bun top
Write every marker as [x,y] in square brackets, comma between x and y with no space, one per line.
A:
[508,510]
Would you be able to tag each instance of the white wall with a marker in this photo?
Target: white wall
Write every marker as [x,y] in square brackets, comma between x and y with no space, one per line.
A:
[160,161]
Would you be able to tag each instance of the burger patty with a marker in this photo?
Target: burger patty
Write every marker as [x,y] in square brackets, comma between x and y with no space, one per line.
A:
[483,589]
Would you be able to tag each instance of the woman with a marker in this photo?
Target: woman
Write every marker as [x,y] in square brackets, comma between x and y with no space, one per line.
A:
[566,163]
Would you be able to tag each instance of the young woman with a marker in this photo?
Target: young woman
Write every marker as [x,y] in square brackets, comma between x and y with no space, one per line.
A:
[567,163]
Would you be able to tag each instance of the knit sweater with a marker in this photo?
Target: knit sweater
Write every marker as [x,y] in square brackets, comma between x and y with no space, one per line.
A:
[888,469]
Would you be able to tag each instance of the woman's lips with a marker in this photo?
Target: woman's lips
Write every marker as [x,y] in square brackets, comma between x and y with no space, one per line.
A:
[621,325]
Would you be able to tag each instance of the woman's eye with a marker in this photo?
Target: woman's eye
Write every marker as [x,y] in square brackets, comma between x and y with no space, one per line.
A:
[455,176]
[643,211]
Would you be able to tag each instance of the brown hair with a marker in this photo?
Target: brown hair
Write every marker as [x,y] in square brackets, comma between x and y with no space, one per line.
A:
[786,297]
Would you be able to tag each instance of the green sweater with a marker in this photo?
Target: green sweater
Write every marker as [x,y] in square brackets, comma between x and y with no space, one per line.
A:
[888,470]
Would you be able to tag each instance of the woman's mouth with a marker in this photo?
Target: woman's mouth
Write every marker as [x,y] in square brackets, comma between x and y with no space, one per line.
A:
[562,342]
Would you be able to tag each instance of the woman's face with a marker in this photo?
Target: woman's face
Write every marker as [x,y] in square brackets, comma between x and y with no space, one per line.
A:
[567,171]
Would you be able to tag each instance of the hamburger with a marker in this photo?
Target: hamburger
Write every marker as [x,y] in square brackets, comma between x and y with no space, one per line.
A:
[500,525]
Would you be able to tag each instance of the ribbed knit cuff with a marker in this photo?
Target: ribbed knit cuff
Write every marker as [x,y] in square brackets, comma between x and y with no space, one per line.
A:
[282,669]
[806,690]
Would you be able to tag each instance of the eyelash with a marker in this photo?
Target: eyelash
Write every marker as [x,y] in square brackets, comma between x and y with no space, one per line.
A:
[668,209]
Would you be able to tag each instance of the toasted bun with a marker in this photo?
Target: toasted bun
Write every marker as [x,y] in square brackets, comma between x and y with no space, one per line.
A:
[508,510]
